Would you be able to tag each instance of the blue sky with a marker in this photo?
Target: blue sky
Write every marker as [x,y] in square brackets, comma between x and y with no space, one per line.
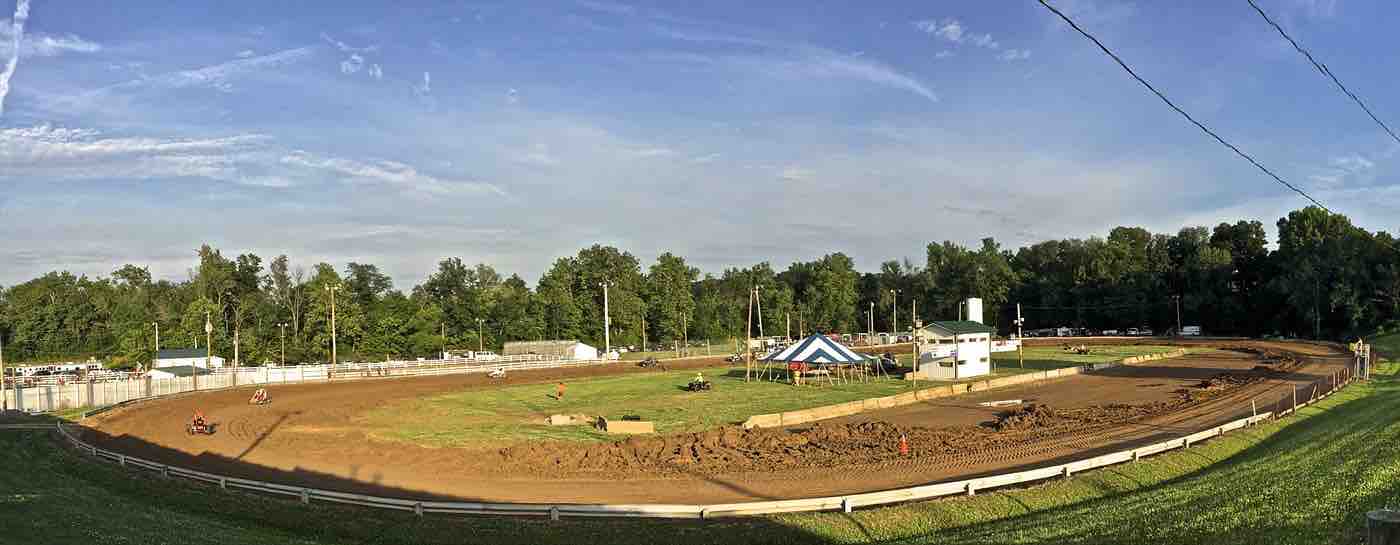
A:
[514,132]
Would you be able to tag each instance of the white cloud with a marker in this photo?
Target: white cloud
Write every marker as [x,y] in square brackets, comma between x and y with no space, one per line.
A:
[794,174]
[376,72]
[388,172]
[1015,54]
[986,41]
[217,76]
[35,44]
[352,64]
[16,38]
[1353,163]
[948,29]
[512,96]
[245,53]
[57,153]
[943,54]
[346,48]
[707,158]
[426,88]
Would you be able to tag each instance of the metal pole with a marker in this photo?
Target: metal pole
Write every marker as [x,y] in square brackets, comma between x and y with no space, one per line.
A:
[607,324]
[334,357]
[480,335]
[156,356]
[284,343]
[894,321]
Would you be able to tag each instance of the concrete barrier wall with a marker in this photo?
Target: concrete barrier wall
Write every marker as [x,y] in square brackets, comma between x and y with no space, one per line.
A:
[814,414]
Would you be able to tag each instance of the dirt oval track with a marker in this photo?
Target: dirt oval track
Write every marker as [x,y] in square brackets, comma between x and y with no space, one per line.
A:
[307,436]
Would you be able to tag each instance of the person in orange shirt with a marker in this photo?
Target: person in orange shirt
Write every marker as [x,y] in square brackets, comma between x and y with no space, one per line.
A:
[559,391]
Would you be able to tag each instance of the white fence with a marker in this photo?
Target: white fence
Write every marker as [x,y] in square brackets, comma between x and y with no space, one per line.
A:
[58,397]
[846,503]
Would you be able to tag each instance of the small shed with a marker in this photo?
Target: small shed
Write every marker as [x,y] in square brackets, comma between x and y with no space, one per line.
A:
[194,357]
[965,342]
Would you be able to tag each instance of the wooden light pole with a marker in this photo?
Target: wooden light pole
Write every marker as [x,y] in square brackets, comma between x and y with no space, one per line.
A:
[748,338]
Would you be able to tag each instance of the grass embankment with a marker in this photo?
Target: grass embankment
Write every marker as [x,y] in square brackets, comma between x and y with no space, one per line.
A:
[496,416]
[1307,479]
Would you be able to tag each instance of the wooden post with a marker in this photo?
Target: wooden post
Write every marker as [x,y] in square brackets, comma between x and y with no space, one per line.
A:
[1253,409]
[1295,400]
[1383,527]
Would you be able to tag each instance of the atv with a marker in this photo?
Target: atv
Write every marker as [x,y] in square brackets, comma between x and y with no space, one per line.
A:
[652,363]
[199,428]
[698,385]
[736,358]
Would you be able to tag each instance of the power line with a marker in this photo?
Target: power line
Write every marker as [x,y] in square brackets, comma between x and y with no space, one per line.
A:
[1178,109]
[1324,70]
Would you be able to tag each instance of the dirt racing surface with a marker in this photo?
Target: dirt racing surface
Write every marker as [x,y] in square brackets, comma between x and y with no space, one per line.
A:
[307,436]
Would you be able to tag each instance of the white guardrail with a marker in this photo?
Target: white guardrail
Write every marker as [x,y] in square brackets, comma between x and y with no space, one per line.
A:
[554,511]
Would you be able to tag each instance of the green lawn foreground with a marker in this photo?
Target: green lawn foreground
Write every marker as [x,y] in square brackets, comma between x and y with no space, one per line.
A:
[1306,479]
[490,417]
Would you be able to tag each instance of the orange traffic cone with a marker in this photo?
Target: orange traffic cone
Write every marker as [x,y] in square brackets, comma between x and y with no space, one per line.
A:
[903,445]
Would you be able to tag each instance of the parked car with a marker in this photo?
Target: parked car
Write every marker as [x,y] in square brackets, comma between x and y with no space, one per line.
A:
[1191,331]
[1132,332]
[1110,332]
[1146,332]
[486,355]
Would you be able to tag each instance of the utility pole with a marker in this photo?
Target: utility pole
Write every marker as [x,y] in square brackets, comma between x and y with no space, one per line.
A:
[787,329]
[894,326]
[156,357]
[208,350]
[444,340]
[871,331]
[607,323]
[334,357]
[1020,337]
[236,361]
[1177,298]
[759,300]
[644,333]
[283,326]
[480,335]
[748,338]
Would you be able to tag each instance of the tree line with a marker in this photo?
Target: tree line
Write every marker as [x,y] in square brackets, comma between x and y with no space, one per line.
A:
[1324,278]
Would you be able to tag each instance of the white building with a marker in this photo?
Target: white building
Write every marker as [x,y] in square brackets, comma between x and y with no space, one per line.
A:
[564,350]
[193,357]
[967,342]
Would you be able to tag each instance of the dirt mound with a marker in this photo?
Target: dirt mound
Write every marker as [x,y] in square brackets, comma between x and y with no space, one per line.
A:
[1028,416]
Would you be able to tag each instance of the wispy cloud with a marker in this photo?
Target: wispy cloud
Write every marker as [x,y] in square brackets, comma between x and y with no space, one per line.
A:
[953,31]
[347,48]
[352,64]
[426,88]
[35,44]
[388,172]
[17,36]
[57,153]
[794,174]
[943,54]
[245,53]
[216,76]
[1015,55]
[948,29]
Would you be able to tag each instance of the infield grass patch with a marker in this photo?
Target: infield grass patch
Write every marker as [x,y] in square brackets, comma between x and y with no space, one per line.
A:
[487,417]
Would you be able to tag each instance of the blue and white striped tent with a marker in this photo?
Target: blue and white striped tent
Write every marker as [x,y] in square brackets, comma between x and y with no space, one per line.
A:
[816,349]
